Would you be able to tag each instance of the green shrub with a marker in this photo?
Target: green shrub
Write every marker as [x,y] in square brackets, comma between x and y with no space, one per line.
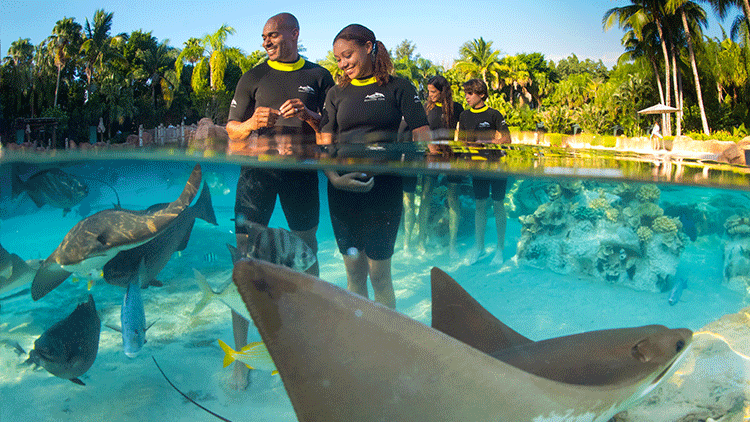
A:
[554,139]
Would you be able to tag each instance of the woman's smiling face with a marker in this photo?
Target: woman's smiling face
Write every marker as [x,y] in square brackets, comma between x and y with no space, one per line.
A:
[352,58]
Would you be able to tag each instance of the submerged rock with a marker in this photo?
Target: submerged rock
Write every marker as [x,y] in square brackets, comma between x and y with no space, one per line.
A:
[617,234]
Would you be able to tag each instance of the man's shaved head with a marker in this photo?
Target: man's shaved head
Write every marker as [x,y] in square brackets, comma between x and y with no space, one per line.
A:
[285,21]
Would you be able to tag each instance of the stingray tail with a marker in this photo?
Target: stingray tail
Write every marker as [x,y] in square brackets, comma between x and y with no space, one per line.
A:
[204,208]
[228,353]
[185,395]
[208,292]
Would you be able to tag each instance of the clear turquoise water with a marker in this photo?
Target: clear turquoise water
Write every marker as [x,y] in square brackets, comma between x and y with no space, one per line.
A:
[537,302]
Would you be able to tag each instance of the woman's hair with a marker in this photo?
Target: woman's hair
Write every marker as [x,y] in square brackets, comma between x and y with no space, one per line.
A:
[381,59]
[445,97]
[476,86]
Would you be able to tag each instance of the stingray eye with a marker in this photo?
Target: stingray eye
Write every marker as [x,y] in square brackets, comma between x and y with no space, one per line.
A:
[679,346]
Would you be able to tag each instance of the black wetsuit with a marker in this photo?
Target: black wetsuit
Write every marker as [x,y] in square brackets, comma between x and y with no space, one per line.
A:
[435,118]
[270,84]
[477,126]
[369,113]
[442,133]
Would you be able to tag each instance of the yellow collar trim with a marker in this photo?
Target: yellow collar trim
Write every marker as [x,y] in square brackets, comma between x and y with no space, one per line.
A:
[438,104]
[287,67]
[362,82]
[479,110]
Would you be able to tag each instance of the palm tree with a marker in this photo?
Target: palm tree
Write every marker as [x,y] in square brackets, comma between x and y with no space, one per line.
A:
[329,63]
[698,19]
[63,44]
[514,74]
[638,15]
[97,45]
[478,59]
[157,67]
[215,45]
[722,7]
[21,58]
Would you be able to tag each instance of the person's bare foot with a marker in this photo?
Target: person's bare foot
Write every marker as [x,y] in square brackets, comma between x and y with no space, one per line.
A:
[497,260]
[473,256]
[239,379]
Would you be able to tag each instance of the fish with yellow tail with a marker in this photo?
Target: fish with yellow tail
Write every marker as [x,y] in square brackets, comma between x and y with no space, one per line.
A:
[254,356]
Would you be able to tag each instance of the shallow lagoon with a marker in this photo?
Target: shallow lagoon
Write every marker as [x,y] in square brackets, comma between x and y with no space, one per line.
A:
[537,302]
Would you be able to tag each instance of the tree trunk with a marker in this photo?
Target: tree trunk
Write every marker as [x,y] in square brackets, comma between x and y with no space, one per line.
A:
[658,79]
[746,10]
[693,64]
[57,85]
[677,103]
[666,122]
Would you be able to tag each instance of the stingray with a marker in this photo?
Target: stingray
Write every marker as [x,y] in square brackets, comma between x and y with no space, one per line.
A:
[14,271]
[343,357]
[96,239]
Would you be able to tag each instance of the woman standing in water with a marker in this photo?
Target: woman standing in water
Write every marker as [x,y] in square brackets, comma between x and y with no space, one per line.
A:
[366,106]
[442,116]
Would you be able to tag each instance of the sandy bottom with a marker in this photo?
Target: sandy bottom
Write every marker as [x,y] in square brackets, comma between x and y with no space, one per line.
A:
[537,303]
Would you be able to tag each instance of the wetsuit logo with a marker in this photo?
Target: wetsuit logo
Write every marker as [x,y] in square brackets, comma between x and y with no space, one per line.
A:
[375,97]
[416,99]
[234,104]
[306,89]
[484,125]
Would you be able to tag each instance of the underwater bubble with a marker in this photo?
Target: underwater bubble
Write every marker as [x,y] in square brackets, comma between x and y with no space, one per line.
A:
[239,219]
[352,251]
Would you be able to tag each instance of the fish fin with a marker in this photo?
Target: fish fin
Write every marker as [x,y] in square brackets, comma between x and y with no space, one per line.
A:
[17,186]
[190,189]
[113,327]
[151,325]
[249,367]
[18,349]
[19,265]
[204,207]
[228,353]
[155,283]
[251,346]
[90,284]
[77,381]
[275,372]
[456,313]
[47,278]
[208,292]
[185,239]
[234,252]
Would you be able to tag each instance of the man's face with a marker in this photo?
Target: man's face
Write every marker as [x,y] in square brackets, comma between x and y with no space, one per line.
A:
[280,42]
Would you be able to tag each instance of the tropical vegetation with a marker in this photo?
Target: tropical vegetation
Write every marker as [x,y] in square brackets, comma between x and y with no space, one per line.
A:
[83,72]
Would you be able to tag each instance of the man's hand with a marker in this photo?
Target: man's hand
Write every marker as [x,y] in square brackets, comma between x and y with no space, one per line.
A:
[294,108]
[263,117]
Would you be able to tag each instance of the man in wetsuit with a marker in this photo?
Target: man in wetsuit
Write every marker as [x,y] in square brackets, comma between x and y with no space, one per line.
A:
[279,103]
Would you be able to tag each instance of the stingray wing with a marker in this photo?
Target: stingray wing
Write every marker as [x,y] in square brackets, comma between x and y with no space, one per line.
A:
[456,313]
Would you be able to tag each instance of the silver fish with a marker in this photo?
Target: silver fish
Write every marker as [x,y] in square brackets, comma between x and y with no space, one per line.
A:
[677,289]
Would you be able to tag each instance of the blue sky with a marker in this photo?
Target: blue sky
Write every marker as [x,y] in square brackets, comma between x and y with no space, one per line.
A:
[555,28]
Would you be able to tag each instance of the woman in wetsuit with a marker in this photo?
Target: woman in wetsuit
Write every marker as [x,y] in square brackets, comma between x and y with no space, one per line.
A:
[442,116]
[365,107]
